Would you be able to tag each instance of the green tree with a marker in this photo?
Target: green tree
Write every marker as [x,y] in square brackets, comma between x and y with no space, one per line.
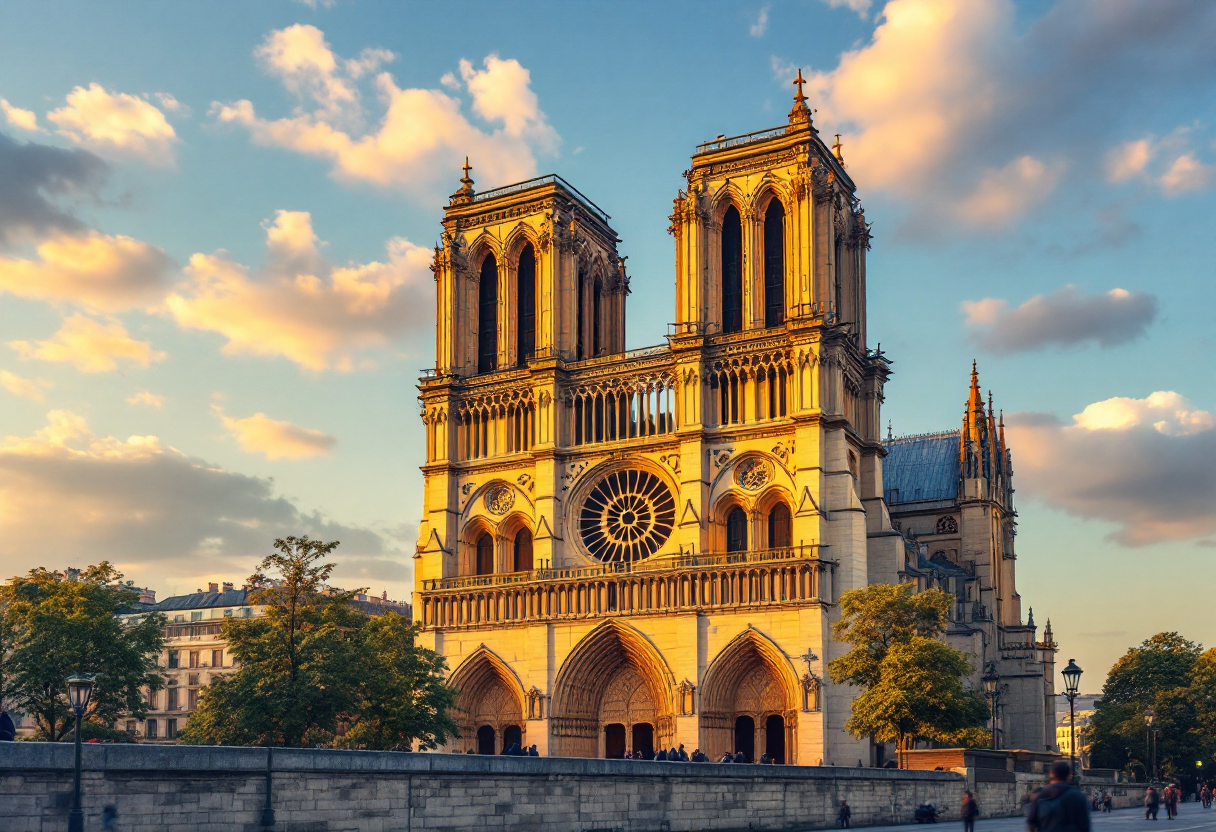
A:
[1177,680]
[55,626]
[911,681]
[314,664]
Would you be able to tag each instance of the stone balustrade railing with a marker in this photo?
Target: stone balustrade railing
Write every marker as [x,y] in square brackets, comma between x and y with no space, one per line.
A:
[796,575]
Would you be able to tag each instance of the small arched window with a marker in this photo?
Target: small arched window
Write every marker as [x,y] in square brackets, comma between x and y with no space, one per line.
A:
[485,555]
[487,316]
[946,525]
[523,551]
[732,271]
[525,301]
[736,530]
[779,527]
[774,264]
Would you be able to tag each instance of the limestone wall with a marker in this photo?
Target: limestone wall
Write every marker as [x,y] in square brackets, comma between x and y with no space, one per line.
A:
[199,788]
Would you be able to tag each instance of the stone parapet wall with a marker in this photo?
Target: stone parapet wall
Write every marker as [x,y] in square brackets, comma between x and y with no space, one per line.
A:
[202,788]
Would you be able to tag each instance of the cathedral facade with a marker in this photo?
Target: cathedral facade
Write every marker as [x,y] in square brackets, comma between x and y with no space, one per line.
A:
[630,550]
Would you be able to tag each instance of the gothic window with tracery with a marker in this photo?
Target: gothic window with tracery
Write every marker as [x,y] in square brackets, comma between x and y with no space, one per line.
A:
[774,264]
[487,316]
[732,271]
[736,530]
[485,555]
[525,298]
[779,527]
[523,551]
[597,345]
[627,516]
[946,525]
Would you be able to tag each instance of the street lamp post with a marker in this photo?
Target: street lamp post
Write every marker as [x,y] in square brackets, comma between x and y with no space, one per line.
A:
[80,689]
[991,681]
[1072,680]
[1152,746]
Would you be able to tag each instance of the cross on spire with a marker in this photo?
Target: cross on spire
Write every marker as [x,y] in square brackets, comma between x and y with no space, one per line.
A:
[799,114]
[836,148]
[465,193]
[799,98]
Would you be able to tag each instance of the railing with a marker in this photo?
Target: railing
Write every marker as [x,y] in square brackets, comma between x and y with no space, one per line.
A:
[723,142]
[548,179]
[671,584]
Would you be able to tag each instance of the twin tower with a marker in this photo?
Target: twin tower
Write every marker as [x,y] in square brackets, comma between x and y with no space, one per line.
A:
[625,550]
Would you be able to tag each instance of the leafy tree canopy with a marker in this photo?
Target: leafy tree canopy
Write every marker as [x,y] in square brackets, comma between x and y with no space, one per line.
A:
[315,669]
[911,680]
[53,626]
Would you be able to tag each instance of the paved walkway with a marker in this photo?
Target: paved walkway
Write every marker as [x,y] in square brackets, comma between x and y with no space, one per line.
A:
[1191,818]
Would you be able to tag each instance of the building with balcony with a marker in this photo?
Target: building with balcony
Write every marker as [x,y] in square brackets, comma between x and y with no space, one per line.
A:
[627,550]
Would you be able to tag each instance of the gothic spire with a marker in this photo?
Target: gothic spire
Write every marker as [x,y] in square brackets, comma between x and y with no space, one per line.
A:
[800,113]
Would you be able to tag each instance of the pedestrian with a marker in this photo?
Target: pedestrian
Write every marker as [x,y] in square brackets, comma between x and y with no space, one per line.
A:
[698,756]
[532,752]
[970,812]
[727,757]
[844,815]
[1152,802]
[673,756]
[109,818]
[661,756]
[1058,807]
[682,754]
[1108,803]
[1172,793]
[740,757]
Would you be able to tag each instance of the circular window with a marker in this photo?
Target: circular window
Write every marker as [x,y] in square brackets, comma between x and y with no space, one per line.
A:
[627,516]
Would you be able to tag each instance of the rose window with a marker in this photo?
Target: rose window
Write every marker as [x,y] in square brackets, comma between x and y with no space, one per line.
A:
[627,516]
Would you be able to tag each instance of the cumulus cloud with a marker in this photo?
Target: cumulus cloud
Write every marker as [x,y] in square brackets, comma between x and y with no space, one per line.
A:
[1169,163]
[146,398]
[69,496]
[997,114]
[33,389]
[1064,318]
[276,439]
[301,307]
[90,346]
[422,134]
[862,7]
[110,273]
[25,119]
[758,28]
[1148,466]
[116,124]
[38,183]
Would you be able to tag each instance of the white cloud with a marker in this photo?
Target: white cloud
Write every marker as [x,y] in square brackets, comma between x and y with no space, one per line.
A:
[422,135]
[301,307]
[862,7]
[33,389]
[276,439]
[117,124]
[146,398]
[68,496]
[1185,174]
[99,271]
[1064,318]
[1147,466]
[957,108]
[1128,160]
[90,346]
[24,119]
[758,28]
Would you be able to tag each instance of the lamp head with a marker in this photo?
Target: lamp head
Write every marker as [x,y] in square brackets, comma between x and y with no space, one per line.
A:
[990,680]
[80,690]
[1072,677]
[1148,717]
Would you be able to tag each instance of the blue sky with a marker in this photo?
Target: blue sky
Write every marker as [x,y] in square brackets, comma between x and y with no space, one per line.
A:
[218,240]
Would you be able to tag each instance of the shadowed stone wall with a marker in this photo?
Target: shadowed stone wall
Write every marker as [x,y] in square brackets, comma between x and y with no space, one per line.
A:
[201,788]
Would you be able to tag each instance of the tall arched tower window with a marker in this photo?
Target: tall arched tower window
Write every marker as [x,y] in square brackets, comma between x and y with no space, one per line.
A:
[596,342]
[581,350]
[774,264]
[485,555]
[523,551]
[779,527]
[487,316]
[732,271]
[525,298]
[736,530]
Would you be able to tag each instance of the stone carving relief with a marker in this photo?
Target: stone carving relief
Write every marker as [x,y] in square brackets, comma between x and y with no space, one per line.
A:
[754,473]
[686,697]
[784,452]
[573,470]
[525,481]
[811,688]
[499,499]
[535,703]
[627,700]
[721,455]
[672,461]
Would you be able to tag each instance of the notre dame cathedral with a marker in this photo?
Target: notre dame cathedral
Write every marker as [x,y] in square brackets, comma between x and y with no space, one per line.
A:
[629,550]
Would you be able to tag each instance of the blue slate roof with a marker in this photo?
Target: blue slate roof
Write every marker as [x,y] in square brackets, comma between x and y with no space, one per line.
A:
[921,468]
[203,600]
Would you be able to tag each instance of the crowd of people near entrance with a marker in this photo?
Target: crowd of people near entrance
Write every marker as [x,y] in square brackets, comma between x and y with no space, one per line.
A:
[1170,797]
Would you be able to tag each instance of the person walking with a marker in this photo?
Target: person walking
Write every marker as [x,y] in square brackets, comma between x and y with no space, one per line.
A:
[1107,802]
[970,812]
[1152,802]
[1172,794]
[845,814]
[1059,807]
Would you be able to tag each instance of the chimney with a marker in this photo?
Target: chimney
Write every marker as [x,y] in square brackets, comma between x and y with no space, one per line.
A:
[227,586]
[213,587]
[147,596]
